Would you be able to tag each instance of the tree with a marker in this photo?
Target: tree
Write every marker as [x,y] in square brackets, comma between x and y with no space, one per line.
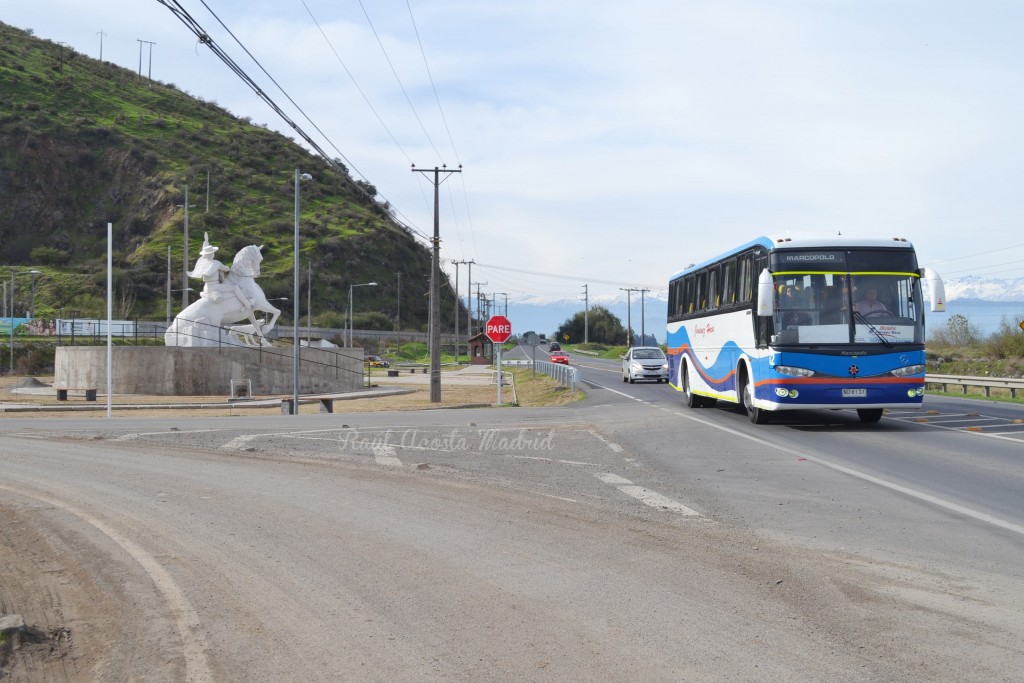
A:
[958,332]
[602,327]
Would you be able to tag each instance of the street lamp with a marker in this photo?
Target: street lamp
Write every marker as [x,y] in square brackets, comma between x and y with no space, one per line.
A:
[32,301]
[33,273]
[350,311]
[184,254]
[299,177]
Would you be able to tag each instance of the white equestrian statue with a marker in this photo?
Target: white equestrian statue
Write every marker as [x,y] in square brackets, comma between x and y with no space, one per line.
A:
[229,295]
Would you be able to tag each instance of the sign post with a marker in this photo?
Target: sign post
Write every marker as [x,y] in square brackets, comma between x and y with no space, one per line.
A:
[498,330]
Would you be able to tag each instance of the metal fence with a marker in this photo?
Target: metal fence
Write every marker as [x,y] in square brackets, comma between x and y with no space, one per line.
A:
[566,375]
[1013,385]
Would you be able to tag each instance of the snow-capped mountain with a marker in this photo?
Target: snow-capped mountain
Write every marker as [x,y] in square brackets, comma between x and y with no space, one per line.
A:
[984,289]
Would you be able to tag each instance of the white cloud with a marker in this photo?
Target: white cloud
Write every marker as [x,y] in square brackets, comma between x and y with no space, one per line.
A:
[588,127]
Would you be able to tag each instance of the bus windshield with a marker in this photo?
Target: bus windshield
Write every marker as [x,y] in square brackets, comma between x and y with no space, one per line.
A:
[848,308]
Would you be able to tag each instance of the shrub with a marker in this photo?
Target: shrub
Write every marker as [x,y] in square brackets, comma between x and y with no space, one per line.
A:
[959,331]
[1008,341]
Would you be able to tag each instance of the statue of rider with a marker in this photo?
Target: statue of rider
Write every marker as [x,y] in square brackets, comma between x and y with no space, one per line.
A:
[214,276]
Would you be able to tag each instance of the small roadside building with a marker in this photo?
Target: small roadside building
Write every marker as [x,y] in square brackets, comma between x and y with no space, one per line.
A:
[481,350]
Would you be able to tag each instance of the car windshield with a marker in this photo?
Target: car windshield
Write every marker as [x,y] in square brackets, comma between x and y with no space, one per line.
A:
[648,354]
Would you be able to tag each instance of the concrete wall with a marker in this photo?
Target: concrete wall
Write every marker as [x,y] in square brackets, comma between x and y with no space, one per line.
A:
[178,371]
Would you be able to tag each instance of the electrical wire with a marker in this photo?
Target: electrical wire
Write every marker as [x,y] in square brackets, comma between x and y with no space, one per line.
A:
[399,80]
[175,7]
[356,84]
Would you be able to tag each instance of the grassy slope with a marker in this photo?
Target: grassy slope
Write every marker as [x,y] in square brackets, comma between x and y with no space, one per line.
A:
[84,142]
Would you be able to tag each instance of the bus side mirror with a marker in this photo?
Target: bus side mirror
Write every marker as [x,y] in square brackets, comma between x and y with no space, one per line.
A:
[765,294]
[936,290]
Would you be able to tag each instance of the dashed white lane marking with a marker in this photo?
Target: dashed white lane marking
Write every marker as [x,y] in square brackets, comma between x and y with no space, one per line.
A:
[385,456]
[136,435]
[610,444]
[645,496]
[561,462]
[239,442]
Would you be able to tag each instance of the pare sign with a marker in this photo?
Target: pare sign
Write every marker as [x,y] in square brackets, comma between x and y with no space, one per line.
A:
[498,329]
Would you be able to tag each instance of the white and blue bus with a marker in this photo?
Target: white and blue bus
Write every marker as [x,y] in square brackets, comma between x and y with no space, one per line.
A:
[795,323]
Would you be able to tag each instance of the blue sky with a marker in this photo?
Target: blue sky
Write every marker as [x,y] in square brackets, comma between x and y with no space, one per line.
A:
[609,143]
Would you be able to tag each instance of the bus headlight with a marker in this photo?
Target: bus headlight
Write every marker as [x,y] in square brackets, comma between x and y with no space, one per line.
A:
[793,371]
[908,370]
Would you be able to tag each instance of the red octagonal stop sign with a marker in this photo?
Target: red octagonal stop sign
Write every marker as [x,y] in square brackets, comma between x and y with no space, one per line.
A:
[498,329]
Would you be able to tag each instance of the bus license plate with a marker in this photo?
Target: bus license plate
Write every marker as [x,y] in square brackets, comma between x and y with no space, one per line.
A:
[855,393]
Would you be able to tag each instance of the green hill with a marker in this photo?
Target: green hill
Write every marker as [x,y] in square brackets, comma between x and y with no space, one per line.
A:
[84,143]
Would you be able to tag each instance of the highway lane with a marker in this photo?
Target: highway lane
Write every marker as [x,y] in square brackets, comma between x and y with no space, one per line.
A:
[898,538]
[963,459]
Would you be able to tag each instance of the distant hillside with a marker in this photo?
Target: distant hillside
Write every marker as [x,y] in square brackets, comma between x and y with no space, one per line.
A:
[84,143]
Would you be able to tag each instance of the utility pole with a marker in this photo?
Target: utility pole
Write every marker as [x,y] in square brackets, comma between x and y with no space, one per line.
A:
[435,285]
[478,314]
[643,331]
[457,303]
[151,44]
[62,46]
[629,315]
[586,314]
[168,285]
[100,33]
[469,298]
[398,305]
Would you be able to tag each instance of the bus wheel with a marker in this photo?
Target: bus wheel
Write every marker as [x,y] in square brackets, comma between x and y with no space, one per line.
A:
[692,400]
[869,414]
[756,415]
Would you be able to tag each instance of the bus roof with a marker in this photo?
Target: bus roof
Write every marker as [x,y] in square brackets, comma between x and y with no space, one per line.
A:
[773,242]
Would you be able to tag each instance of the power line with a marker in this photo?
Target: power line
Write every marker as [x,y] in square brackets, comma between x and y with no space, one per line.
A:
[175,7]
[399,80]
[566,276]
[356,84]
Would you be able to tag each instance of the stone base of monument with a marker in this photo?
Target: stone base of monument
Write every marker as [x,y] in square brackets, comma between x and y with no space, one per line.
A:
[182,371]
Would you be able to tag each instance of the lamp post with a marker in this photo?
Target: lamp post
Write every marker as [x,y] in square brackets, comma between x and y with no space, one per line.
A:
[184,254]
[13,273]
[350,311]
[32,301]
[299,177]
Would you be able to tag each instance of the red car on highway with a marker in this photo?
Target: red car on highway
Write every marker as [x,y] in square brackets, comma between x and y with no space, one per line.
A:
[559,357]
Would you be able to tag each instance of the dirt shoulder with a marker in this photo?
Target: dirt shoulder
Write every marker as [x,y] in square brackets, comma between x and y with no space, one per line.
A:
[456,392]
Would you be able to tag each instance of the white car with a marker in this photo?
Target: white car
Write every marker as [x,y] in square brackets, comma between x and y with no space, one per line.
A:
[644,362]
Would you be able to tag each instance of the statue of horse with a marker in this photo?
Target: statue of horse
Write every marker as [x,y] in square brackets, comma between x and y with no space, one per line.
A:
[203,322]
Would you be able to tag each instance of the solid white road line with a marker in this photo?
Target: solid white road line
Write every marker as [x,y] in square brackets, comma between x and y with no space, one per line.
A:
[913,493]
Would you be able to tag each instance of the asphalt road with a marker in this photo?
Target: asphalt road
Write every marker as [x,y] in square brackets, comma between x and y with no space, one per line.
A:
[623,537]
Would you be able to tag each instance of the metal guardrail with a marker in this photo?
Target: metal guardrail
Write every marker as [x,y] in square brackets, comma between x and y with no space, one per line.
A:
[987,383]
[565,375]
